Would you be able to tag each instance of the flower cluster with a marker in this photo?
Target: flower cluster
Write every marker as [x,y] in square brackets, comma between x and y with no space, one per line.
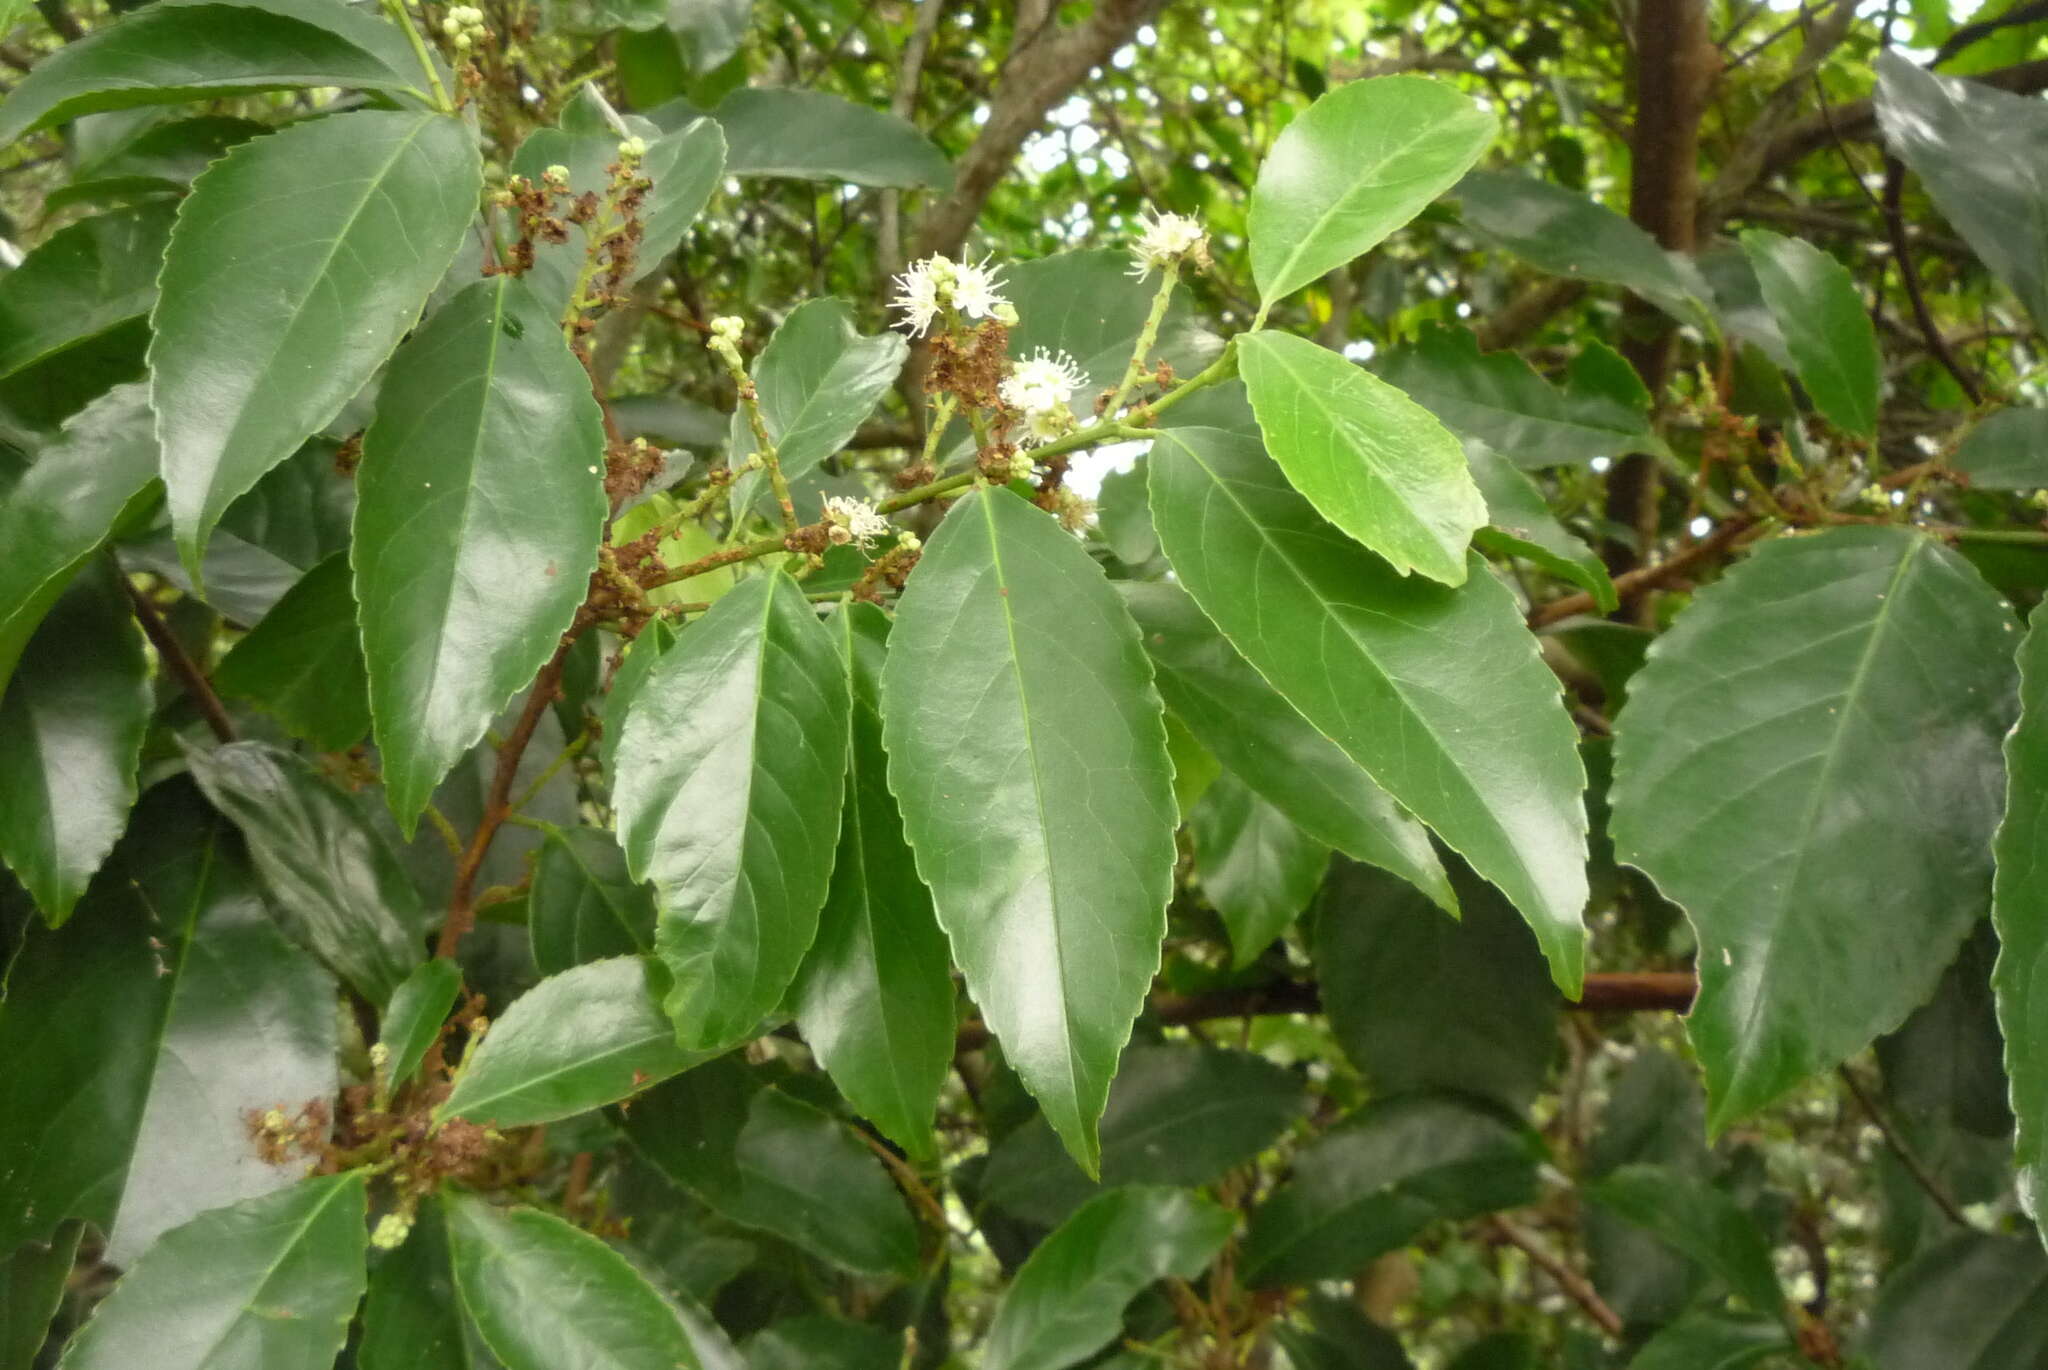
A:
[1168,239]
[464,27]
[1041,389]
[852,520]
[940,283]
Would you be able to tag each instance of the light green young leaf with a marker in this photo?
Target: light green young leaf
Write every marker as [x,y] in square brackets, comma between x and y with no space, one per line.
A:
[1384,667]
[481,505]
[1027,750]
[1360,162]
[1371,460]
[1809,765]
[730,772]
[298,262]
[208,1295]
[1830,336]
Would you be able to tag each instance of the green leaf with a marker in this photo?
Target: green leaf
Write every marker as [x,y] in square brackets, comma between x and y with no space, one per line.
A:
[1340,1337]
[1370,1185]
[1691,1216]
[267,1282]
[1085,304]
[1421,1002]
[1941,1068]
[140,1035]
[585,905]
[182,50]
[89,479]
[1385,667]
[772,1162]
[1068,1299]
[1829,835]
[811,135]
[817,379]
[576,1041]
[1978,152]
[160,158]
[413,1018]
[1178,1115]
[32,1284]
[1567,234]
[1655,1114]
[303,662]
[81,281]
[1821,314]
[1520,524]
[1704,1341]
[2007,451]
[1258,869]
[298,262]
[2019,910]
[875,996]
[1976,1302]
[71,727]
[1602,410]
[1234,713]
[640,655]
[481,505]
[728,794]
[1371,460]
[547,1295]
[413,1318]
[819,1342]
[1027,751]
[1358,164]
[337,886]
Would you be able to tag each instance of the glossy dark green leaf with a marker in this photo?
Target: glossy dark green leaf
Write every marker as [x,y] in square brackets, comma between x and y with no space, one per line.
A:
[1941,1068]
[1704,1341]
[1602,410]
[1655,1115]
[79,488]
[640,656]
[2008,450]
[817,1342]
[583,904]
[579,1040]
[730,772]
[547,1295]
[1691,1216]
[81,281]
[1086,305]
[1385,666]
[1234,713]
[1830,336]
[817,379]
[1359,163]
[1027,751]
[140,1035]
[1566,234]
[1370,1185]
[1422,1002]
[2019,910]
[71,727]
[816,136]
[303,662]
[267,1282]
[1976,1302]
[1258,869]
[1520,524]
[875,996]
[769,1161]
[194,50]
[1179,1115]
[413,1018]
[1978,152]
[1809,765]
[160,158]
[481,507]
[1372,461]
[1067,1301]
[337,886]
[1340,1337]
[298,262]
[32,1284]
[413,1317]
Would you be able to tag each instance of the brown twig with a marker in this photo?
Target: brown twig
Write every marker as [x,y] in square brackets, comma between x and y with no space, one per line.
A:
[1575,1286]
[1922,1176]
[1630,584]
[179,663]
[1909,276]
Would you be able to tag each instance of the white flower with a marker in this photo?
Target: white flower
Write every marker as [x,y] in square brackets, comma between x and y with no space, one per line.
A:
[1043,425]
[917,294]
[852,520]
[1044,382]
[974,290]
[1166,239]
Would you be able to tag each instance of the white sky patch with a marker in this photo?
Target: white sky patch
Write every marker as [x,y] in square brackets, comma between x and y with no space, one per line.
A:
[1084,476]
[1700,526]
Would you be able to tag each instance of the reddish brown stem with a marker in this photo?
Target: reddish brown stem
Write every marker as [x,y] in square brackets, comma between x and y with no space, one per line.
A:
[179,663]
[1630,584]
